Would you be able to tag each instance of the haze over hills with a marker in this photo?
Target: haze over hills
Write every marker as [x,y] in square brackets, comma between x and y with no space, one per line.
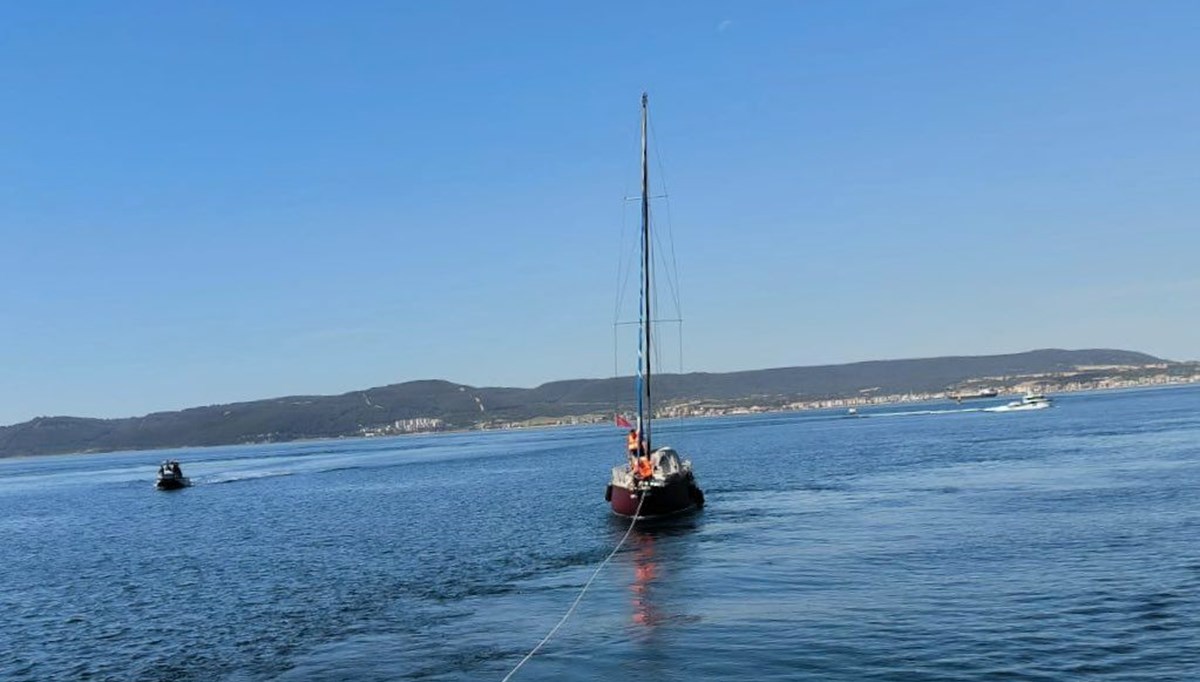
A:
[434,404]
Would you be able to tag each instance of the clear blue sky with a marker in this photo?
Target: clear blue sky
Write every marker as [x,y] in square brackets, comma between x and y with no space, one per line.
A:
[204,203]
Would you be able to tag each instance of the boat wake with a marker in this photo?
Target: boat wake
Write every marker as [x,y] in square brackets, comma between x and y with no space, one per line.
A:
[246,476]
[915,413]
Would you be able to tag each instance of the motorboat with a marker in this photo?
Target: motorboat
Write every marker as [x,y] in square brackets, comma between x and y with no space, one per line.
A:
[981,393]
[170,476]
[1030,401]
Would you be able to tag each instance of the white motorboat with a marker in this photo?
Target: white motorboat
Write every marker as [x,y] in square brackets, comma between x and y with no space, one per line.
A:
[1030,401]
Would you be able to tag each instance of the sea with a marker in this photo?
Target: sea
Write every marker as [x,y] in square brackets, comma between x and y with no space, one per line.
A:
[932,542]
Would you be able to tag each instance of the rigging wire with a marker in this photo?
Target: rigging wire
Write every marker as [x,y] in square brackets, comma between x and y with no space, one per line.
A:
[664,263]
[627,270]
[622,284]
[625,262]
[624,266]
[666,254]
[662,179]
[582,591]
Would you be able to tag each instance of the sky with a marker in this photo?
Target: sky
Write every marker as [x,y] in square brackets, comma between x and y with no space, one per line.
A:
[204,203]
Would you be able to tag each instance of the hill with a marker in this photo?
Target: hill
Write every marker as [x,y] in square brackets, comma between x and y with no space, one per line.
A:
[431,404]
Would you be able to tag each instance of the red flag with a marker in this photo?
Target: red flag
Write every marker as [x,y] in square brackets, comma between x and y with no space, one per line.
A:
[623,422]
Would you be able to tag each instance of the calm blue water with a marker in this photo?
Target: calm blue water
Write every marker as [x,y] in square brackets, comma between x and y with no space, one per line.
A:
[1052,545]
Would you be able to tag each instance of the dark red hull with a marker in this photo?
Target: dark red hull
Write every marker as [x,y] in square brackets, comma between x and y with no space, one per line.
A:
[676,497]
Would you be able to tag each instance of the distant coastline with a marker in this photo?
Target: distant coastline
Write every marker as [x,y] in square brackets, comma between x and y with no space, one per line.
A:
[604,420]
[689,411]
[432,406]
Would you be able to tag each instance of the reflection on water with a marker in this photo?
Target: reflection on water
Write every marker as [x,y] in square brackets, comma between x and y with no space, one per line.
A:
[657,574]
[645,572]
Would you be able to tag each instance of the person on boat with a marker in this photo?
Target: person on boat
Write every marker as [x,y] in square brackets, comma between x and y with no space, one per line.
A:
[634,444]
[644,469]
[175,469]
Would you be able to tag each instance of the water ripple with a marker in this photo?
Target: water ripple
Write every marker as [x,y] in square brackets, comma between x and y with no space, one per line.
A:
[941,546]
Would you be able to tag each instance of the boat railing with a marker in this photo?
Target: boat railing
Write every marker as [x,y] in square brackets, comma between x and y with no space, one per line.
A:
[621,476]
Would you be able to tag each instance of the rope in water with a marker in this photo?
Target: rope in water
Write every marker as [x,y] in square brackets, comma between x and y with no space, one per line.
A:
[582,591]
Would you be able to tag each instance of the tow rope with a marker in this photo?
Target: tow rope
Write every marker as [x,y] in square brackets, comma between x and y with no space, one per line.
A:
[583,591]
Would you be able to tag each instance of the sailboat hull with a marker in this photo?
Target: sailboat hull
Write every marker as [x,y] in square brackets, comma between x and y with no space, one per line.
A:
[678,496]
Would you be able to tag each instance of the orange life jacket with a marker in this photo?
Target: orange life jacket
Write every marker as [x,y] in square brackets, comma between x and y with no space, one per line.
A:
[644,468]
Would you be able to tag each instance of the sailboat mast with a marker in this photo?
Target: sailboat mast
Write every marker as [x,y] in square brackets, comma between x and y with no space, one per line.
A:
[646,261]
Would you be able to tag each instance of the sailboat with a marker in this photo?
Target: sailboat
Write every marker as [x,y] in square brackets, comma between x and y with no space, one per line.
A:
[666,486]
